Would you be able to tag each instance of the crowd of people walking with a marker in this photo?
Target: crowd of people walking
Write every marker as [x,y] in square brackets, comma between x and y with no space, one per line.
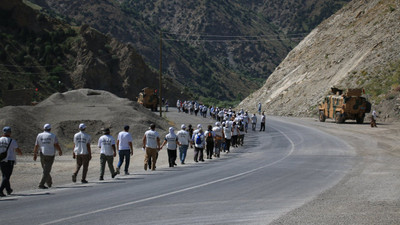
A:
[228,132]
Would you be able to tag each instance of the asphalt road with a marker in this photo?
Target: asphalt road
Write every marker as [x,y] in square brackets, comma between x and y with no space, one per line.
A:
[273,173]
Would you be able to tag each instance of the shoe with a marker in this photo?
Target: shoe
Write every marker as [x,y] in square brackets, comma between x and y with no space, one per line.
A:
[10,192]
[101,178]
[183,163]
[126,173]
[175,164]
[84,181]
[49,185]
[2,194]
[43,187]
[117,170]
[145,166]
[73,178]
[113,175]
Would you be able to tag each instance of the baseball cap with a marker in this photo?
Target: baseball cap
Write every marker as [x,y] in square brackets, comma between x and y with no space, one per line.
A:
[183,126]
[126,127]
[82,126]
[47,126]
[199,126]
[6,130]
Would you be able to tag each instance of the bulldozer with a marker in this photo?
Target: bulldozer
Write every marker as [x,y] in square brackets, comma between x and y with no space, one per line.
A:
[148,98]
[344,105]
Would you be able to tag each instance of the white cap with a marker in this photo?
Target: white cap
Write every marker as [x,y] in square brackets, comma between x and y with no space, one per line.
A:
[82,126]
[217,124]
[183,126]
[199,126]
[47,126]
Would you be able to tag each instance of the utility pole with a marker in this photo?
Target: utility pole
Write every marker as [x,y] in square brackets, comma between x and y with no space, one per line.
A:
[160,77]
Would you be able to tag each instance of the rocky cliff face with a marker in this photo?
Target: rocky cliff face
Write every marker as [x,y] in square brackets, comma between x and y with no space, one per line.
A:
[359,46]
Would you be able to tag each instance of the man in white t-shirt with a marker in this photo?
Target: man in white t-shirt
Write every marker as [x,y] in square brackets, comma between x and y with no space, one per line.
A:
[171,140]
[82,152]
[253,122]
[7,165]
[199,143]
[184,141]
[106,144]
[262,128]
[125,149]
[151,143]
[219,138]
[47,142]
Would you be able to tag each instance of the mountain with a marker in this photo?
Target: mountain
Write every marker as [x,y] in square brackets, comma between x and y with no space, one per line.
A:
[359,46]
[217,50]
[44,53]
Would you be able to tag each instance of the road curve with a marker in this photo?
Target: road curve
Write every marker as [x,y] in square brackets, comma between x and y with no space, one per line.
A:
[273,173]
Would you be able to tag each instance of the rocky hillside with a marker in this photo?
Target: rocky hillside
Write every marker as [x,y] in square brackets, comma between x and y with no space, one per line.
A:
[359,46]
[216,49]
[44,53]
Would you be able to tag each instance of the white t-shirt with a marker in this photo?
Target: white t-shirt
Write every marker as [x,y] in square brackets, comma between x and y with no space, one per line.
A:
[198,145]
[105,144]
[4,141]
[254,119]
[228,132]
[218,131]
[46,141]
[171,141]
[234,130]
[81,140]
[151,138]
[124,138]
[263,119]
[183,137]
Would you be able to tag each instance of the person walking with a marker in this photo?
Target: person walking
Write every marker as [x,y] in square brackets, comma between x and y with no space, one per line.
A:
[262,128]
[125,149]
[171,140]
[151,143]
[106,144]
[199,141]
[210,135]
[190,130]
[235,134]
[253,122]
[219,139]
[183,140]
[259,108]
[9,147]
[374,116]
[82,153]
[47,142]
[228,135]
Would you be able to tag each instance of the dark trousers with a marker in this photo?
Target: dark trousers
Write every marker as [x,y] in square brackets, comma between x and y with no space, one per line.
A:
[171,157]
[82,160]
[124,154]
[210,149]
[198,154]
[47,162]
[262,127]
[227,144]
[234,140]
[109,159]
[6,171]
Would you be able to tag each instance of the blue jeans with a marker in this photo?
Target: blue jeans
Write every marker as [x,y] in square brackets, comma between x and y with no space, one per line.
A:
[182,152]
[124,154]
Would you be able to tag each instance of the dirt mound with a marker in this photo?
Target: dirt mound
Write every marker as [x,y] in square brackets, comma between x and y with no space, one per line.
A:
[65,111]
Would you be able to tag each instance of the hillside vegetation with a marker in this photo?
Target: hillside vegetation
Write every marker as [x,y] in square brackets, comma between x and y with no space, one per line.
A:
[217,50]
[44,53]
[359,46]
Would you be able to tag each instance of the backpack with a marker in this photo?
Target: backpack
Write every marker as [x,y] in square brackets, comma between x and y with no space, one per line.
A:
[198,140]
[209,137]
